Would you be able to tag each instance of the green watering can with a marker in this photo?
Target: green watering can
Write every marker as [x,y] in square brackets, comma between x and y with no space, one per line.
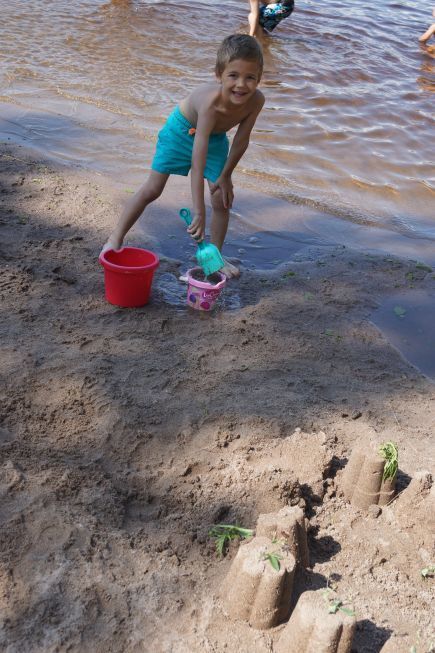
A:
[208,256]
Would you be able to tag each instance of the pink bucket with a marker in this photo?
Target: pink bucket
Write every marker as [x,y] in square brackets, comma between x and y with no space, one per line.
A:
[202,295]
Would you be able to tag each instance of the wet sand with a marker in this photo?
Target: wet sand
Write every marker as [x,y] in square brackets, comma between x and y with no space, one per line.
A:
[126,434]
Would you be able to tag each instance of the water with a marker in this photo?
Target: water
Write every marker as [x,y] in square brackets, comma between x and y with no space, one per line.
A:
[348,122]
[407,320]
[343,150]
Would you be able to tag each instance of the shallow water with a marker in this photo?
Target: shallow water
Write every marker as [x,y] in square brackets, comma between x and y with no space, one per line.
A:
[348,122]
[342,152]
[407,319]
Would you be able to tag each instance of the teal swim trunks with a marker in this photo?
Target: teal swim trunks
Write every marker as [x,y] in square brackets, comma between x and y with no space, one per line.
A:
[173,154]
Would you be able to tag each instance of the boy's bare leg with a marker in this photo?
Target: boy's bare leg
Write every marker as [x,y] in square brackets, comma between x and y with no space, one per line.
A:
[147,193]
[218,229]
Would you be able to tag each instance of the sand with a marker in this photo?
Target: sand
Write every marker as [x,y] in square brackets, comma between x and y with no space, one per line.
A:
[126,434]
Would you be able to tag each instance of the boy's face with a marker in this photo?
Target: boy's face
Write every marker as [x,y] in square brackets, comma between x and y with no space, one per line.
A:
[239,81]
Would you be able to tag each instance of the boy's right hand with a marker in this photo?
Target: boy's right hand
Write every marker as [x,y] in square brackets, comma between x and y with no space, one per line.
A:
[197,228]
[225,184]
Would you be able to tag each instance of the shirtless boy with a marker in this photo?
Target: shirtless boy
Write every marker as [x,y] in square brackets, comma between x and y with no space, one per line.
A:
[194,138]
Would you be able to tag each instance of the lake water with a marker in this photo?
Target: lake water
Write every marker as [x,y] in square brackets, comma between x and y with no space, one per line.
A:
[346,135]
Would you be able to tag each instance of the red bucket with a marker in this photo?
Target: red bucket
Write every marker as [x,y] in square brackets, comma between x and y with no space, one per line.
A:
[128,275]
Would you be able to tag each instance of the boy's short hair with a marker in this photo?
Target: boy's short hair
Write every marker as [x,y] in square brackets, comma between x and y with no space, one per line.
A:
[239,46]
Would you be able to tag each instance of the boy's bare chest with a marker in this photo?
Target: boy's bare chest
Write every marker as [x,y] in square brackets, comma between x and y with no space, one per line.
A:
[226,120]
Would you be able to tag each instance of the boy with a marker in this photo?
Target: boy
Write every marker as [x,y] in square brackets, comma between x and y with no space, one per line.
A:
[194,137]
[268,14]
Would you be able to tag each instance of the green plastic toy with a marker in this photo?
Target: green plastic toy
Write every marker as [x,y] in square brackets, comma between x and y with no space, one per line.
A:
[208,256]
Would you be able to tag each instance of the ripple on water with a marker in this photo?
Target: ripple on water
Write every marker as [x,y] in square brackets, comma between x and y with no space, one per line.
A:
[336,74]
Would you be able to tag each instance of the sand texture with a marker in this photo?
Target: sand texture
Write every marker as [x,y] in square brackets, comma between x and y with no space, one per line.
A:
[126,434]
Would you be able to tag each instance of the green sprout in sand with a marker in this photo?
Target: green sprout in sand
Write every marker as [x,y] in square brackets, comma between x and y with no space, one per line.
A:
[224,533]
[428,572]
[274,558]
[389,451]
[334,603]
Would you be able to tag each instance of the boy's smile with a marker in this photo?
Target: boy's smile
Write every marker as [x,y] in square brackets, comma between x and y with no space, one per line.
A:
[239,81]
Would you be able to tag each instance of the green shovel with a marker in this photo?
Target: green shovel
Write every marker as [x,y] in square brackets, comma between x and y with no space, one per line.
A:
[208,256]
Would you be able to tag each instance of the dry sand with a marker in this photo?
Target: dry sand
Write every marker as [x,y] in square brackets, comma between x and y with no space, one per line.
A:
[126,434]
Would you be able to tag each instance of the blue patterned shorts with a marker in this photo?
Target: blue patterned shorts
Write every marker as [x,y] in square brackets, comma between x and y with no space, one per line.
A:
[272,15]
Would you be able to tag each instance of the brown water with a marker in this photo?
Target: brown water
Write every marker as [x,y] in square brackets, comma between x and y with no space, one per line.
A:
[342,152]
[348,121]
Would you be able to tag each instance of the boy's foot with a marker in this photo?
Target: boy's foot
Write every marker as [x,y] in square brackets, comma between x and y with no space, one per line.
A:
[230,270]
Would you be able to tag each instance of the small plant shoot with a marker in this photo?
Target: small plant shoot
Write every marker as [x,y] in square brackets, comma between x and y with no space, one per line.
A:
[389,451]
[428,572]
[334,604]
[274,559]
[224,533]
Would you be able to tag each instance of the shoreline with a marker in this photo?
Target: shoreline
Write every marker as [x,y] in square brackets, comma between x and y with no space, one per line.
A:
[126,434]
[409,243]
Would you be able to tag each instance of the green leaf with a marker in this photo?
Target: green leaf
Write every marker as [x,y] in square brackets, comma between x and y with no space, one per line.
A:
[399,311]
[328,332]
[288,274]
[220,544]
[410,276]
[333,606]
[224,533]
[128,190]
[428,571]
[274,559]
[308,295]
[390,452]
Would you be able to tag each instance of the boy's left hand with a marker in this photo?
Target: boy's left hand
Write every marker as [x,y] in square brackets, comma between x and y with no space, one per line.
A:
[226,186]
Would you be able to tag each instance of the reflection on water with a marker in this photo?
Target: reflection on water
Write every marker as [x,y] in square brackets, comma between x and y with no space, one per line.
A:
[348,122]
[407,321]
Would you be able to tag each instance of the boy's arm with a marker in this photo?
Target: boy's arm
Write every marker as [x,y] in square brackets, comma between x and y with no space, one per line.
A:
[254,17]
[238,148]
[204,127]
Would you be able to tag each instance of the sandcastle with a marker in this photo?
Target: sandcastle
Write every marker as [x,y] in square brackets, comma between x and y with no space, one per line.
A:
[313,629]
[288,526]
[363,482]
[254,589]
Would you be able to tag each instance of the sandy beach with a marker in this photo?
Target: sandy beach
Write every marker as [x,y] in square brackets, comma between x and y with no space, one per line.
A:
[126,434]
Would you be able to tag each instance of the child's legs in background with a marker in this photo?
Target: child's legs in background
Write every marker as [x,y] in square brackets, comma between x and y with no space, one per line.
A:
[147,193]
